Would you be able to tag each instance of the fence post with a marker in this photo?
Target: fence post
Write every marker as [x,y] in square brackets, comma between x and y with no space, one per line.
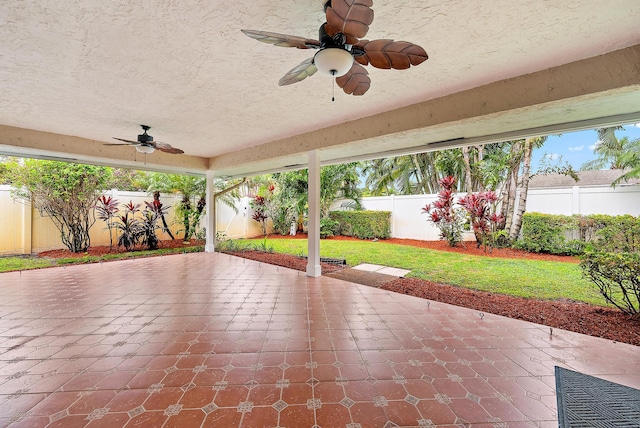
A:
[27,227]
[575,200]
[393,217]
[211,213]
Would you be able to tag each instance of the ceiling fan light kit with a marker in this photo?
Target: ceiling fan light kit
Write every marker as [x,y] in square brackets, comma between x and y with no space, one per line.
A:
[334,62]
[341,52]
[147,150]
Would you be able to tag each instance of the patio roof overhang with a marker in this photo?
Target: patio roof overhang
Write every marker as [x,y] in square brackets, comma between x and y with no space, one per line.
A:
[72,79]
[598,91]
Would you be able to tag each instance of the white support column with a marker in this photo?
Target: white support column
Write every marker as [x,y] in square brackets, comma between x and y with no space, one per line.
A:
[210,218]
[313,262]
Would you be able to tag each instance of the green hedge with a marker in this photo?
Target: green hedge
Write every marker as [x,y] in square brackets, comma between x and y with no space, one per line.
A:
[560,234]
[546,233]
[363,224]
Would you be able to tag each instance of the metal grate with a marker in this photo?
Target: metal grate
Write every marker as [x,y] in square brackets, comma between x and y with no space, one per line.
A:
[586,401]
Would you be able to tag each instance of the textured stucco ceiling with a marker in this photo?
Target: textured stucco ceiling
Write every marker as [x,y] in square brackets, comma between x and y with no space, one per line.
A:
[97,69]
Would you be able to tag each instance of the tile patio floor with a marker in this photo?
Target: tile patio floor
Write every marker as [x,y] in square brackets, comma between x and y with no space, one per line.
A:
[216,341]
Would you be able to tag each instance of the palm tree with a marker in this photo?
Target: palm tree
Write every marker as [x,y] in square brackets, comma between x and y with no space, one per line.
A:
[614,153]
[410,174]
[192,188]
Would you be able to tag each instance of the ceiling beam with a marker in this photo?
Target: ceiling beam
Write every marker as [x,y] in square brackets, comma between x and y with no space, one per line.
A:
[45,145]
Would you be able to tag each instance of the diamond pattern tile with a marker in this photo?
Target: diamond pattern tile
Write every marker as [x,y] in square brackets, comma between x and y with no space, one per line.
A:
[214,340]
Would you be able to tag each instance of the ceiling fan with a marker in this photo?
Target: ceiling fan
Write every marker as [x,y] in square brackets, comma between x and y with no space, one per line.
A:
[339,45]
[146,145]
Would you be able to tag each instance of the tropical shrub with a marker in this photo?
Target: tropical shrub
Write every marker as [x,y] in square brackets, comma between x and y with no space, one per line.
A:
[617,276]
[258,204]
[107,208]
[619,234]
[558,234]
[547,233]
[328,227]
[447,218]
[486,223]
[363,224]
[65,192]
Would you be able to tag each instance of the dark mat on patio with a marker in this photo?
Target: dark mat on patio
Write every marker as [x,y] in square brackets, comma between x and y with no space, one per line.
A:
[587,401]
[371,279]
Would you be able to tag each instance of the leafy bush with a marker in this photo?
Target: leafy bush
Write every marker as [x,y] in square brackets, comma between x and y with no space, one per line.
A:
[617,276]
[444,215]
[546,233]
[65,192]
[363,224]
[328,227]
[481,208]
[619,234]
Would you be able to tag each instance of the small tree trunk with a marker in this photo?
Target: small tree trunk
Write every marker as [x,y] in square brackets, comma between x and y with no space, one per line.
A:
[165,227]
[524,189]
[467,170]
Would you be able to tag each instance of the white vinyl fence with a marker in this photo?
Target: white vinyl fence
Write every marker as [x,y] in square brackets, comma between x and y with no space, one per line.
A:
[408,222]
[23,230]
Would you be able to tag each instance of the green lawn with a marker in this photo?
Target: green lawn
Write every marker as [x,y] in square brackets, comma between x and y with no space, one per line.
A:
[517,277]
[8,264]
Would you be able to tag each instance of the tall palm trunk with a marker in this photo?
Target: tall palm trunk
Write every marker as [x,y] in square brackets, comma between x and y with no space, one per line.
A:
[467,170]
[521,206]
[165,226]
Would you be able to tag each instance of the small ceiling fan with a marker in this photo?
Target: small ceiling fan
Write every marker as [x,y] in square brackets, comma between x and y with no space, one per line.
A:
[146,145]
[339,45]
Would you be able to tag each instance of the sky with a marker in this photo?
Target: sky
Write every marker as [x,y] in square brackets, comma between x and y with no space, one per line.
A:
[576,148]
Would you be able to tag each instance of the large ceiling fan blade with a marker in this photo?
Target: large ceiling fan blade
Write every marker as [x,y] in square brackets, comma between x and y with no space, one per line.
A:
[298,73]
[172,150]
[350,17]
[284,40]
[356,81]
[165,147]
[120,144]
[122,139]
[388,54]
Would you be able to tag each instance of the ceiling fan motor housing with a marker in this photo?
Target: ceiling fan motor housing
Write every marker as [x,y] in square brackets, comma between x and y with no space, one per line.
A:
[144,137]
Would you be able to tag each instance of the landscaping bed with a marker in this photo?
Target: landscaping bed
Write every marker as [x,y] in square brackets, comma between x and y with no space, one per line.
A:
[102,250]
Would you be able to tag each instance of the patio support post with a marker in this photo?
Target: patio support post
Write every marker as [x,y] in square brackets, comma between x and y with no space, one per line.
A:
[210,218]
[313,192]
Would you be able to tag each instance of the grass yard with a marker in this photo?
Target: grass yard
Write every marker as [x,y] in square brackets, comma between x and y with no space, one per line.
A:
[8,264]
[516,277]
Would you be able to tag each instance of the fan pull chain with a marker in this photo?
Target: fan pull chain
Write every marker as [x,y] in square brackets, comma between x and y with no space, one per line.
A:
[333,87]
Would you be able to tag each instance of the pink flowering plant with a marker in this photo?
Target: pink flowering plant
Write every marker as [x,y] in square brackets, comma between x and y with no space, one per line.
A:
[481,209]
[448,218]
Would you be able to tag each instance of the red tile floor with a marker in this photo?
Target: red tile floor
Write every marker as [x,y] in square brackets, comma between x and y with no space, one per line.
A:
[210,340]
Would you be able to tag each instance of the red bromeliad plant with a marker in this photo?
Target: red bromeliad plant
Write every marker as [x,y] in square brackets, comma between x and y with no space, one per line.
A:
[259,205]
[482,213]
[107,208]
[444,215]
